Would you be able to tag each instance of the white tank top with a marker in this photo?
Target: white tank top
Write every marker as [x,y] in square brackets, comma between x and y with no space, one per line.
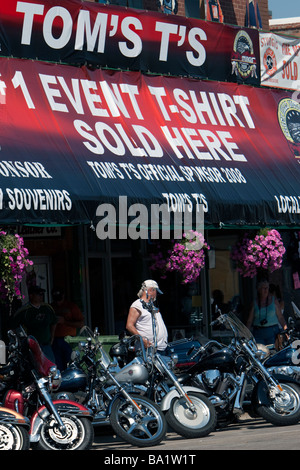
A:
[144,325]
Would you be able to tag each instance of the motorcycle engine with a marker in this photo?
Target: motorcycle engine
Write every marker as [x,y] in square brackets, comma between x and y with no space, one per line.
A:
[219,385]
[209,378]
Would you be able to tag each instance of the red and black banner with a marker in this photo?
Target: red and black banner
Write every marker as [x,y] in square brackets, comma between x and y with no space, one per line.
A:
[72,138]
[86,33]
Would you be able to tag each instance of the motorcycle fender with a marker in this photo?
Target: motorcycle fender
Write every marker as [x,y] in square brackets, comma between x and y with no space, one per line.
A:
[281,378]
[68,407]
[13,416]
[167,400]
[72,407]
[37,420]
[260,392]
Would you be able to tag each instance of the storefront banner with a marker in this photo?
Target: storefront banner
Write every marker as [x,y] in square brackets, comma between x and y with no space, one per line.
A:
[280,61]
[81,33]
[74,138]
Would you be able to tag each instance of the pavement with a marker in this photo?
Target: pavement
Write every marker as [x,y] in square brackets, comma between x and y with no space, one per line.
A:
[247,434]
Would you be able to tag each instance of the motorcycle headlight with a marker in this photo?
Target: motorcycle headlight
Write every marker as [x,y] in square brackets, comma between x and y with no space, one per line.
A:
[262,352]
[55,377]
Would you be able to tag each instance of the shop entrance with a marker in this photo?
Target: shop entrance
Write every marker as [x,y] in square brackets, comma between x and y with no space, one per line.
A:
[114,272]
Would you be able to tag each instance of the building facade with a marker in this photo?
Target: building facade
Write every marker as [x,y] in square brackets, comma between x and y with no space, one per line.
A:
[103,275]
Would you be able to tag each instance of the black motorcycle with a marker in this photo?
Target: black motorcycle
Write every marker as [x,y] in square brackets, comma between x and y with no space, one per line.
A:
[92,379]
[236,380]
[14,430]
[28,379]
[285,359]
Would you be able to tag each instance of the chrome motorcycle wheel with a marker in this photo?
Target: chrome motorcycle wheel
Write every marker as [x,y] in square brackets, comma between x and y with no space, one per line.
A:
[79,434]
[13,437]
[283,408]
[145,430]
[191,424]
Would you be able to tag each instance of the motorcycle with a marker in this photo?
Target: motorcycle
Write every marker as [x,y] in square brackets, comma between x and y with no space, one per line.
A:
[183,348]
[92,379]
[187,410]
[286,360]
[28,379]
[14,430]
[237,381]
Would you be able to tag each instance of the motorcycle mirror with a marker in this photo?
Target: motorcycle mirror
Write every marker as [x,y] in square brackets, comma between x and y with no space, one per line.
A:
[174,358]
[75,355]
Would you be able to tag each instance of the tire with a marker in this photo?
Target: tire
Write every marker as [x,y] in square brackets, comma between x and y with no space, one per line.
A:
[190,425]
[13,437]
[147,431]
[283,411]
[79,436]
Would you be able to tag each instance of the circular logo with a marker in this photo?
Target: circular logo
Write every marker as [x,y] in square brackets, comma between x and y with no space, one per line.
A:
[269,61]
[289,119]
[243,60]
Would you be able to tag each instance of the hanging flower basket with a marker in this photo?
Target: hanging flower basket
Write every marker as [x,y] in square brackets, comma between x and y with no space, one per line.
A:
[186,257]
[13,263]
[261,254]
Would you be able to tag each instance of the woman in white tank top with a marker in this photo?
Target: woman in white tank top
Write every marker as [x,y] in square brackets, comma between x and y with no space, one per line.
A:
[139,320]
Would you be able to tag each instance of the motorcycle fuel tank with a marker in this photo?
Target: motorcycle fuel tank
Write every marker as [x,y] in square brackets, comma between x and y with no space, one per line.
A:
[222,360]
[73,379]
[284,357]
[134,372]
[14,400]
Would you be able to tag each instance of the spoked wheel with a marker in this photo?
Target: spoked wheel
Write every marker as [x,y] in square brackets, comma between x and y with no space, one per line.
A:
[13,437]
[284,407]
[191,424]
[142,430]
[79,434]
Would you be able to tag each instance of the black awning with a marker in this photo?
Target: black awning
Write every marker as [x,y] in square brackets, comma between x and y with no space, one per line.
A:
[73,139]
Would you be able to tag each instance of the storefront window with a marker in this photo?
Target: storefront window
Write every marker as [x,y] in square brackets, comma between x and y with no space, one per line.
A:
[224,281]
[127,3]
[192,8]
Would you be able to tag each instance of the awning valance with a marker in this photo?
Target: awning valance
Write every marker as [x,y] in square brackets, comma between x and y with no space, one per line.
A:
[75,138]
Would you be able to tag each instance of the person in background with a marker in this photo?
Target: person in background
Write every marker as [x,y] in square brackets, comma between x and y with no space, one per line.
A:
[70,319]
[38,319]
[265,315]
[139,320]
[276,292]
[218,303]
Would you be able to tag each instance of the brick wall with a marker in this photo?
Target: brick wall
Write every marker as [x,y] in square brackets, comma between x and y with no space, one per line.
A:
[291,28]
[233,10]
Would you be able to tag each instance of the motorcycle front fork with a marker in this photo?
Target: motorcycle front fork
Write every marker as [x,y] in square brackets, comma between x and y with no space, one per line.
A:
[41,383]
[178,387]
[241,383]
